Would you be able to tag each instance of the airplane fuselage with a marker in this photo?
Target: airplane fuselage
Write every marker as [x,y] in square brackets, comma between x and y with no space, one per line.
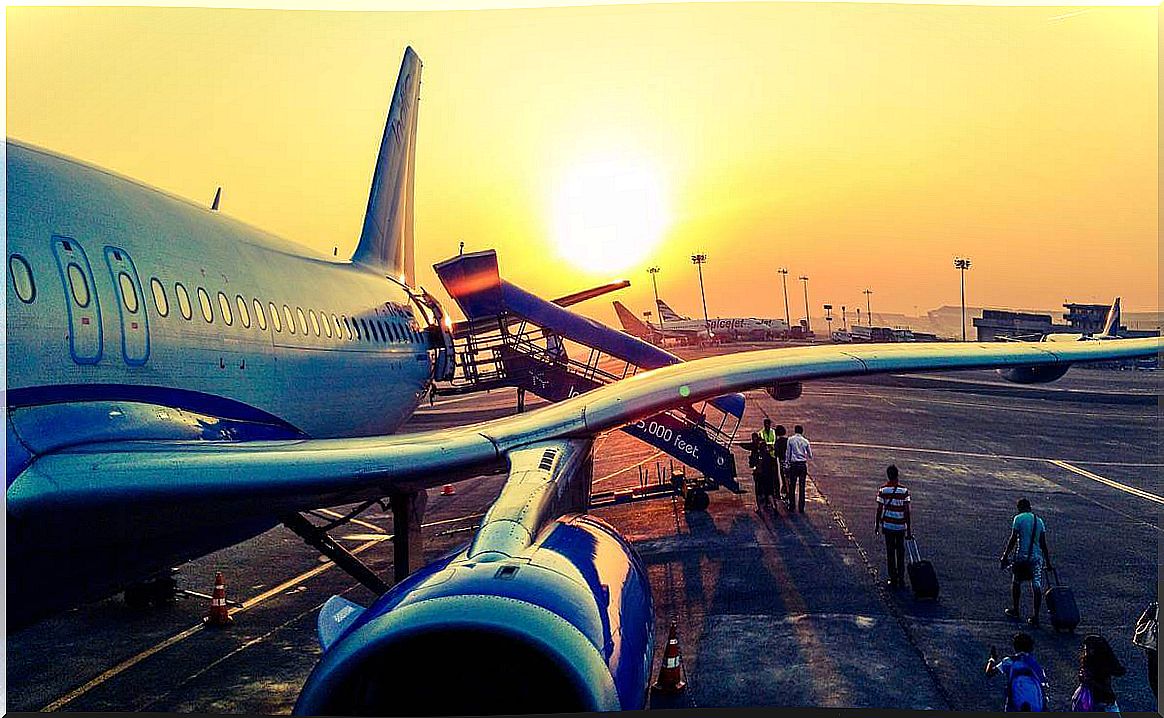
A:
[141,297]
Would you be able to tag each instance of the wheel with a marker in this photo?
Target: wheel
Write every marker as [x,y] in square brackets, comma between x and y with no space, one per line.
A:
[698,500]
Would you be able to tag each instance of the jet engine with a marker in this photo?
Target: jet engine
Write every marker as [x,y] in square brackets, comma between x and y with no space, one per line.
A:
[1042,374]
[566,625]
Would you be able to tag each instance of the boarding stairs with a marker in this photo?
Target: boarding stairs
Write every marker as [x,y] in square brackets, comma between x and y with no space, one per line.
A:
[512,338]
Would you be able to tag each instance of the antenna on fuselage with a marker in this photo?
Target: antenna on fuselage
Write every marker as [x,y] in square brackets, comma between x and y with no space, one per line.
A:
[217,197]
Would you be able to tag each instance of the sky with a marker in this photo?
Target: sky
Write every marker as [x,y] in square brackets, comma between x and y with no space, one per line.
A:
[862,145]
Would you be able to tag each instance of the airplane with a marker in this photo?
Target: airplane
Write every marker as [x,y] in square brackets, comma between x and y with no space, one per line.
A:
[179,381]
[673,325]
[1028,375]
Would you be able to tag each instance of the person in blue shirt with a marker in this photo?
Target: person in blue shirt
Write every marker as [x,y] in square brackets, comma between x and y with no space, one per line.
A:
[1028,541]
[1026,683]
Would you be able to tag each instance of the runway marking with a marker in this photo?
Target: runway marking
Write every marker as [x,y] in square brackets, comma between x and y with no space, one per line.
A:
[948,452]
[249,603]
[1108,482]
[358,522]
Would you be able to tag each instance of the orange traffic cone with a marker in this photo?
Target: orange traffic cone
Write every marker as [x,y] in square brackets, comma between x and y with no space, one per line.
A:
[218,615]
[671,673]
[448,490]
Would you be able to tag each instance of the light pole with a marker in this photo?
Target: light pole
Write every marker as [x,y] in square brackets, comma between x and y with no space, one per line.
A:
[654,283]
[868,311]
[844,318]
[807,319]
[829,318]
[784,279]
[962,264]
[698,260]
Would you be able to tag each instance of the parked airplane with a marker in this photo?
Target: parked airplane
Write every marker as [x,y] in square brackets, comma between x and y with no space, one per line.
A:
[179,381]
[672,325]
[1028,375]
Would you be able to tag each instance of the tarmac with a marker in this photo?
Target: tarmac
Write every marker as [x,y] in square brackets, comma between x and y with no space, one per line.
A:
[773,609]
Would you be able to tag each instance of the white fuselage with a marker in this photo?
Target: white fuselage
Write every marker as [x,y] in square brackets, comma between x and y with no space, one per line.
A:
[112,263]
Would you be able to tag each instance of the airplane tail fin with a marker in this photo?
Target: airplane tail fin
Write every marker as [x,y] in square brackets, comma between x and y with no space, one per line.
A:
[1111,325]
[668,314]
[386,238]
[630,323]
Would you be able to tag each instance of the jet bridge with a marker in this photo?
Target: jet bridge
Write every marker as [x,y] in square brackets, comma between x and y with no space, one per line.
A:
[512,338]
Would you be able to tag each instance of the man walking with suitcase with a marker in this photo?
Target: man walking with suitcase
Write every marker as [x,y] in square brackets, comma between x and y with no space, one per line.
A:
[893,521]
[1028,541]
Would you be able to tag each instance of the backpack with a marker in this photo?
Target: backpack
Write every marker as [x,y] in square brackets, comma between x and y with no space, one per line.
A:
[1025,690]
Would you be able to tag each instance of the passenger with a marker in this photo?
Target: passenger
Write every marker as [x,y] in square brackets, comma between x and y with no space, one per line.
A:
[1026,683]
[1028,540]
[797,456]
[893,521]
[1145,637]
[778,464]
[768,477]
[760,461]
[1097,666]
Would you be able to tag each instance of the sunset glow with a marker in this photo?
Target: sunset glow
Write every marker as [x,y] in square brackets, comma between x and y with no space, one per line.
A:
[861,144]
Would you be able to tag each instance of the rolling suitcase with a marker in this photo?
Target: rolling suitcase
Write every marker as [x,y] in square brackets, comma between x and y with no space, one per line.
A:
[922,577]
[1061,605]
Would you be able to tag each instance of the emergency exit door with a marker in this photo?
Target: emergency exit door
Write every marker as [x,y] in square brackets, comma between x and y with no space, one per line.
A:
[84,309]
[135,334]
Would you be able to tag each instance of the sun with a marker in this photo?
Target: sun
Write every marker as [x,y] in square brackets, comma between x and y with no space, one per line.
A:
[608,213]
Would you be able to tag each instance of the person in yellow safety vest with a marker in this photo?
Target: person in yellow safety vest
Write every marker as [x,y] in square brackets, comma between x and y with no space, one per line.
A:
[772,470]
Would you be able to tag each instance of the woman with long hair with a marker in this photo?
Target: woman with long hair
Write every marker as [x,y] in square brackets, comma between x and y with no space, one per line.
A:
[1097,666]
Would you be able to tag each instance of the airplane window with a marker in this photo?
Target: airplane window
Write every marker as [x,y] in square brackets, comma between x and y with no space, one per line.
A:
[290,318]
[376,326]
[326,324]
[314,321]
[183,300]
[356,328]
[302,320]
[207,307]
[390,331]
[160,302]
[22,278]
[367,332]
[78,285]
[276,320]
[244,314]
[224,307]
[339,331]
[128,293]
[260,318]
[348,327]
[396,335]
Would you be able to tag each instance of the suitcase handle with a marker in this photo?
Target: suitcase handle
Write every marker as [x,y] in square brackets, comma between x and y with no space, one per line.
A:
[913,555]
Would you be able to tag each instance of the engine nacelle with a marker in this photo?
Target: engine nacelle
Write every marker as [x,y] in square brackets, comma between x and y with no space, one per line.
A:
[1042,374]
[786,391]
[566,627]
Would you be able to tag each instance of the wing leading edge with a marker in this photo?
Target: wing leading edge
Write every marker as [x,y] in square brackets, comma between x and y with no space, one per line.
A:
[288,475]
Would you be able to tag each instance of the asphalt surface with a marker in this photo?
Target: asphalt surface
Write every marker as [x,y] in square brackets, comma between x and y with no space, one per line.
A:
[773,610]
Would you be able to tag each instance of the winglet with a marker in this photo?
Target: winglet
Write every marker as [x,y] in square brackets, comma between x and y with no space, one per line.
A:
[1111,326]
[386,239]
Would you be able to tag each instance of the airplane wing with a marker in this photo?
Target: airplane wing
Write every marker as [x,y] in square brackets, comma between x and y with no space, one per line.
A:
[279,476]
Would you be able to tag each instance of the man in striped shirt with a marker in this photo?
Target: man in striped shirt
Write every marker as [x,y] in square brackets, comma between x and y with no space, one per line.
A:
[893,521]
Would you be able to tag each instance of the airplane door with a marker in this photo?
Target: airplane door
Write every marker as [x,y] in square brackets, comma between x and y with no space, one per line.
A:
[135,335]
[85,342]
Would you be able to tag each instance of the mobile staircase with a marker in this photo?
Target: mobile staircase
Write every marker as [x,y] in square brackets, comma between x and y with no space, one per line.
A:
[512,338]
